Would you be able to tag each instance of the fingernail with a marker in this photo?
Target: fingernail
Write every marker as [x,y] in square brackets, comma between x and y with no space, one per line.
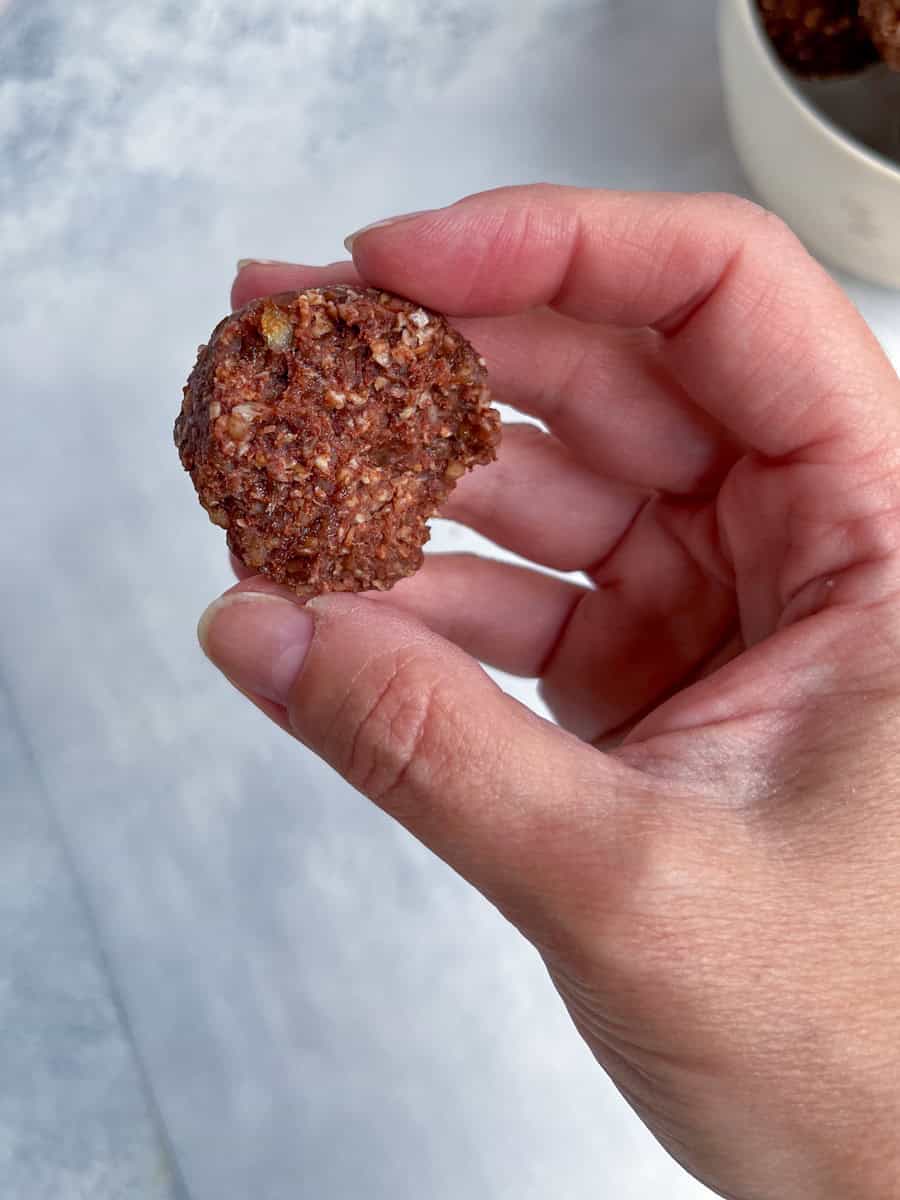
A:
[258,641]
[259,262]
[348,241]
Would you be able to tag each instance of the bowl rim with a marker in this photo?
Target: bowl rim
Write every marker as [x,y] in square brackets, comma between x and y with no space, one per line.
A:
[872,158]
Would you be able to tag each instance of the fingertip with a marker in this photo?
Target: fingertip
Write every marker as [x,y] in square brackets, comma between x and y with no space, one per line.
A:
[244,263]
[258,640]
[259,277]
[352,238]
[241,571]
[490,254]
[262,277]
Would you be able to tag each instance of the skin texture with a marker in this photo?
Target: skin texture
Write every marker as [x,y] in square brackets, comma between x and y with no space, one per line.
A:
[706,852]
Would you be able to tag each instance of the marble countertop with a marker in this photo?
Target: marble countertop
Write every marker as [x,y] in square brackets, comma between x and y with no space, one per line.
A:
[222,974]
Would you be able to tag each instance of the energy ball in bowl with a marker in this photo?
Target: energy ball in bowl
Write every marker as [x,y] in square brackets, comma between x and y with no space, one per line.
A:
[818,38]
[322,429]
[883,20]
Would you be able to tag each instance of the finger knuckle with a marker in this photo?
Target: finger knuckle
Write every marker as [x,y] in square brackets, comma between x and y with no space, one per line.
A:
[760,223]
[739,208]
[394,748]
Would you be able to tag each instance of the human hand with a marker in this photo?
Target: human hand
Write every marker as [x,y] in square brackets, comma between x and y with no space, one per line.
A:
[714,891]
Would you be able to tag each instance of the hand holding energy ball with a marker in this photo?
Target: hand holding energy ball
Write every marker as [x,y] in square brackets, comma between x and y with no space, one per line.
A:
[716,893]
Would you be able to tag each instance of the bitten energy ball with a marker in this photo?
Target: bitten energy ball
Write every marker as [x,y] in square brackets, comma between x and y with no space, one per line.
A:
[322,430]
[818,37]
[882,18]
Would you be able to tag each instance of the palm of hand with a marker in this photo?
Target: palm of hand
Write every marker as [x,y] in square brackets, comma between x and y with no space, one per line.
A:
[757,770]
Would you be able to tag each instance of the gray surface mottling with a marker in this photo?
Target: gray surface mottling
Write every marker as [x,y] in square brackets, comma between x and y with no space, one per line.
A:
[74,1116]
[322,1009]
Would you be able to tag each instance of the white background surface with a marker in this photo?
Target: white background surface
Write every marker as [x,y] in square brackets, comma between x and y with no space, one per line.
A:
[222,974]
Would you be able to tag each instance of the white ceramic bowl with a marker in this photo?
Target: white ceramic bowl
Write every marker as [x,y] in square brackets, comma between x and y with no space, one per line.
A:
[825,156]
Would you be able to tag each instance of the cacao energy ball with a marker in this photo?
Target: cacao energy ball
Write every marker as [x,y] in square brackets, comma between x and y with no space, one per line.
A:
[322,429]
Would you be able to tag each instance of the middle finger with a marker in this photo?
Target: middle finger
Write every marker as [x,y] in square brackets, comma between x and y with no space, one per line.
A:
[540,502]
[606,394]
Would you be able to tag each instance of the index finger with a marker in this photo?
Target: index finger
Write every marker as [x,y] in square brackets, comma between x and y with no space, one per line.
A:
[755,330]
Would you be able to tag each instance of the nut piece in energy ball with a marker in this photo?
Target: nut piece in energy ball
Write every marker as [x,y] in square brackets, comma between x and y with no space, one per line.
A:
[818,38]
[322,430]
[882,17]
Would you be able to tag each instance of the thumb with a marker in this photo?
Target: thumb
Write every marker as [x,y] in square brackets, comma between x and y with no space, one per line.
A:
[416,725]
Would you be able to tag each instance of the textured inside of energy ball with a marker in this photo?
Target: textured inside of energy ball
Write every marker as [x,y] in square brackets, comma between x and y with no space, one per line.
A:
[322,429]
[819,38]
